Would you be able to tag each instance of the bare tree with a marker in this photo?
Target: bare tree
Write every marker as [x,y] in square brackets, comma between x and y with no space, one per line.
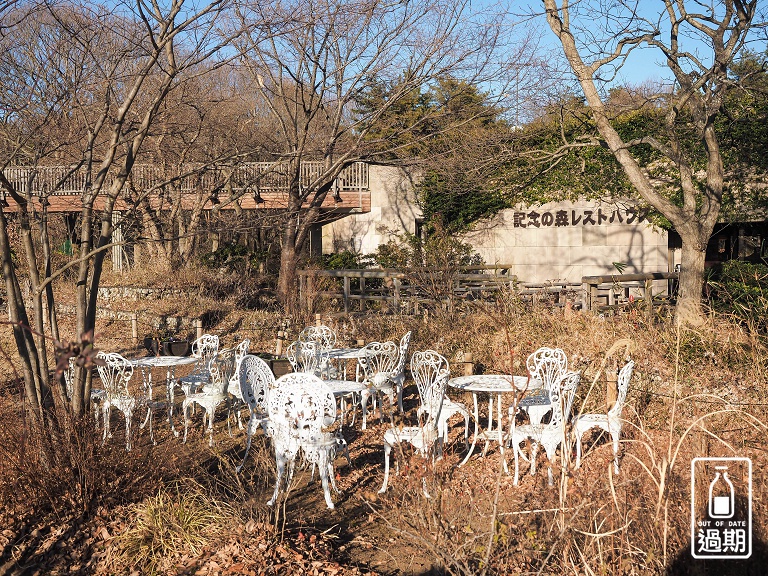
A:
[84,86]
[313,61]
[697,42]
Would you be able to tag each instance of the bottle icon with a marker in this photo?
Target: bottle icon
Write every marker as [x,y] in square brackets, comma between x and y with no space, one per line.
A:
[721,494]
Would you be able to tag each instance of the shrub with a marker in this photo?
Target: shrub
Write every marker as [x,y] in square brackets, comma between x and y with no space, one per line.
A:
[741,288]
[233,258]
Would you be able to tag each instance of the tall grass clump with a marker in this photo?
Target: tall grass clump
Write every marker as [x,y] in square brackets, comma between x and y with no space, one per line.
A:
[694,392]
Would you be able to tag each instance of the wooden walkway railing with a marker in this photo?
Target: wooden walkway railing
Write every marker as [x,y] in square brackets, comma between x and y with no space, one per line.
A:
[262,176]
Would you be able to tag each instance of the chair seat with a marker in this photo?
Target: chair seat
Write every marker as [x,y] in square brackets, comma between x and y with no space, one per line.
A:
[420,437]
[590,420]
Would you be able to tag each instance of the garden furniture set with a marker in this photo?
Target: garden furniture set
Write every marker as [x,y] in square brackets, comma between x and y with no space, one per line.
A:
[301,420]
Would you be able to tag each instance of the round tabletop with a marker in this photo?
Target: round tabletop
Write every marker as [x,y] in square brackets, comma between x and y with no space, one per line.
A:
[346,353]
[162,361]
[494,383]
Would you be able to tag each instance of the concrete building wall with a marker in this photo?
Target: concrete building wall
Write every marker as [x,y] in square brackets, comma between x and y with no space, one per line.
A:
[560,241]
[393,208]
[566,240]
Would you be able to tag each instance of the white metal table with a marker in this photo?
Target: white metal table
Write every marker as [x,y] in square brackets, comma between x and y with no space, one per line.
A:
[345,354]
[343,388]
[170,363]
[494,385]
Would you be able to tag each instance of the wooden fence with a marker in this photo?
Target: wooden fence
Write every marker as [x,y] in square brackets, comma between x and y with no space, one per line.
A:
[610,290]
[407,291]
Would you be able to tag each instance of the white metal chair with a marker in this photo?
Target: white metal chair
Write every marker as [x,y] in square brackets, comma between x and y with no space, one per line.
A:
[325,339]
[307,356]
[426,370]
[610,422]
[547,365]
[431,373]
[550,435]
[397,376]
[378,361]
[204,349]
[115,375]
[300,409]
[213,393]
[233,387]
[255,382]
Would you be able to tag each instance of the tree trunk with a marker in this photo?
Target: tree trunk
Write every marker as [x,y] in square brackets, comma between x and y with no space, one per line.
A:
[286,282]
[691,283]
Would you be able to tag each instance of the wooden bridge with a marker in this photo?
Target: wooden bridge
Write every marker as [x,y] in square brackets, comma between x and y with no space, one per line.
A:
[253,185]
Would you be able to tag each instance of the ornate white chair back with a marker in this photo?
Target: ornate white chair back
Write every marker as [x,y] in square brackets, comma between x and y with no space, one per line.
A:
[234,381]
[307,357]
[323,335]
[548,365]
[205,349]
[431,372]
[256,381]
[115,375]
[378,360]
[622,385]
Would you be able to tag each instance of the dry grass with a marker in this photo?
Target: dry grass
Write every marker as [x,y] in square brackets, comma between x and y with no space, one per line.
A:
[693,393]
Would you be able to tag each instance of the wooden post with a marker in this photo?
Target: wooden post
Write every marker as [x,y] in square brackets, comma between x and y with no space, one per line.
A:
[279,343]
[346,294]
[318,319]
[360,342]
[310,292]
[302,290]
[135,328]
[199,327]
[362,294]
[396,282]
[593,297]
[469,367]
[649,296]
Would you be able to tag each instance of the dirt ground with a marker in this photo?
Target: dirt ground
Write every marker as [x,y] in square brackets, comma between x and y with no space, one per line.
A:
[594,519]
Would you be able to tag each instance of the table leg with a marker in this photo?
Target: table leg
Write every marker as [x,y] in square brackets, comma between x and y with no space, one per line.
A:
[474,436]
[500,430]
[147,380]
[170,383]
[489,428]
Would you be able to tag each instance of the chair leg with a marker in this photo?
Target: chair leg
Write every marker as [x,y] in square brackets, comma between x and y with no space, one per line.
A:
[128,417]
[249,437]
[578,447]
[516,448]
[210,412]
[105,422]
[280,471]
[364,396]
[151,431]
[184,407]
[387,450]
[325,469]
